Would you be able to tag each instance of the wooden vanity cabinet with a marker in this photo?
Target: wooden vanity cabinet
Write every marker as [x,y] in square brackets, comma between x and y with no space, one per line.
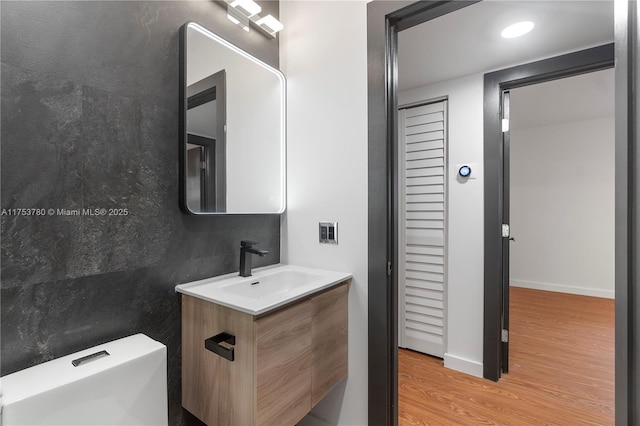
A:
[284,363]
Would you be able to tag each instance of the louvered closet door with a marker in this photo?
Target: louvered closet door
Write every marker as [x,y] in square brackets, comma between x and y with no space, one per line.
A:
[422,278]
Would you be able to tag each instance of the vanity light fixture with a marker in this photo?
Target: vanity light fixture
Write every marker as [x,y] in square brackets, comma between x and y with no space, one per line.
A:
[518,29]
[242,12]
[270,25]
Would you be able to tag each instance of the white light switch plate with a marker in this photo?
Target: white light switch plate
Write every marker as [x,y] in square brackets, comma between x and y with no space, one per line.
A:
[328,232]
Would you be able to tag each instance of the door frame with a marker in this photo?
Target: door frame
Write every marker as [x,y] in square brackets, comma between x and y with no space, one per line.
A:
[496,184]
[384,20]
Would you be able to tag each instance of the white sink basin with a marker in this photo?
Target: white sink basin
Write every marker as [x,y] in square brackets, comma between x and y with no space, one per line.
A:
[270,285]
[267,289]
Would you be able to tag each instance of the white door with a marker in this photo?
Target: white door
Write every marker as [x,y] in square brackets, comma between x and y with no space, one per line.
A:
[421,243]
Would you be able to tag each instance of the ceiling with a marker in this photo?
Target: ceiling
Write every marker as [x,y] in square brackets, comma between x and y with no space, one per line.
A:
[468,41]
[577,98]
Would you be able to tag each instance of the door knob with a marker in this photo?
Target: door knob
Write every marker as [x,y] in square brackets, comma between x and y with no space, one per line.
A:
[511,239]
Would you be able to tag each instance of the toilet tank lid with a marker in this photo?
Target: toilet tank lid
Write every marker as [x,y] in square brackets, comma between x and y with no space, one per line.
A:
[59,372]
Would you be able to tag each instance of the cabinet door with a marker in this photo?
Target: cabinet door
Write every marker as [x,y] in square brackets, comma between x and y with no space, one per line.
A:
[217,391]
[284,365]
[330,334]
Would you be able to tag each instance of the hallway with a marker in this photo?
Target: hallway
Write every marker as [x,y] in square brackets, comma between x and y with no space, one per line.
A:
[561,371]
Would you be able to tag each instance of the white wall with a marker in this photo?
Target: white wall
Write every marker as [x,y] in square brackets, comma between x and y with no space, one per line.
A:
[465,245]
[324,57]
[562,207]
[323,54]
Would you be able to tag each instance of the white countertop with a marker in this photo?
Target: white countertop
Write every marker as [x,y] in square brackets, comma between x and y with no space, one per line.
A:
[268,288]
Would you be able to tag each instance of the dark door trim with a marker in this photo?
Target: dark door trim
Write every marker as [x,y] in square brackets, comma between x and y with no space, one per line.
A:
[505,97]
[627,187]
[495,84]
[384,18]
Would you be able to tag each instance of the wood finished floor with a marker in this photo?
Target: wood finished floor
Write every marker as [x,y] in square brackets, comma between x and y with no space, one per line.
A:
[561,370]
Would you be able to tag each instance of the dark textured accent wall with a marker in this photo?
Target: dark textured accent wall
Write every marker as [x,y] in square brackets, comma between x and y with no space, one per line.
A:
[89,119]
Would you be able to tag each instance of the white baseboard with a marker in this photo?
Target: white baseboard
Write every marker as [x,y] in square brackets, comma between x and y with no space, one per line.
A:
[584,291]
[473,368]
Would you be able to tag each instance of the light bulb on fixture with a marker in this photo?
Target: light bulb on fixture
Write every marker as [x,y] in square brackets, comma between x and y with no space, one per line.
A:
[270,24]
[242,12]
[518,29]
[246,7]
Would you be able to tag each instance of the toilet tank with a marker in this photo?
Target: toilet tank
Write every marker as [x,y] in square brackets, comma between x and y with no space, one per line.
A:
[123,382]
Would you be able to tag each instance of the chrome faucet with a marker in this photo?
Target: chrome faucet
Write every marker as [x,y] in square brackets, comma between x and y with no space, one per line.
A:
[247,247]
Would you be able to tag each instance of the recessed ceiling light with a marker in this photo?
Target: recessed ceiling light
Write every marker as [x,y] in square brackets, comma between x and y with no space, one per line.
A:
[517,30]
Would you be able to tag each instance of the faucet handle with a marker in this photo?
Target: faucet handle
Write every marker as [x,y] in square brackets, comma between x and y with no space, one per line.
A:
[248,243]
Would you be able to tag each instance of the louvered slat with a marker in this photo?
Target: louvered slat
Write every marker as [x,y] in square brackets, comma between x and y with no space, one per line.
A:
[425,267]
[428,171]
[425,162]
[429,285]
[425,128]
[427,198]
[425,109]
[428,319]
[424,258]
[425,276]
[425,137]
[425,310]
[434,241]
[437,215]
[423,247]
[425,189]
[418,154]
[434,117]
[436,234]
[430,303]
[426,181]
[427,294]
[421,326]
[425,145]
[425,224]
[425,207]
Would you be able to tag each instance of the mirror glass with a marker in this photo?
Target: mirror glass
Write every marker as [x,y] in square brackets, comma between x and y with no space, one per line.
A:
[232,128]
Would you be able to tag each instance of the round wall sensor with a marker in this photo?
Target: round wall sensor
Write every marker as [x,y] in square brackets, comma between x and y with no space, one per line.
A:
[464,171]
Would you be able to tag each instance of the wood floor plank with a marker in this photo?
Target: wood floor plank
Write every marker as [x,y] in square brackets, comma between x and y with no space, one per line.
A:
[561,370]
